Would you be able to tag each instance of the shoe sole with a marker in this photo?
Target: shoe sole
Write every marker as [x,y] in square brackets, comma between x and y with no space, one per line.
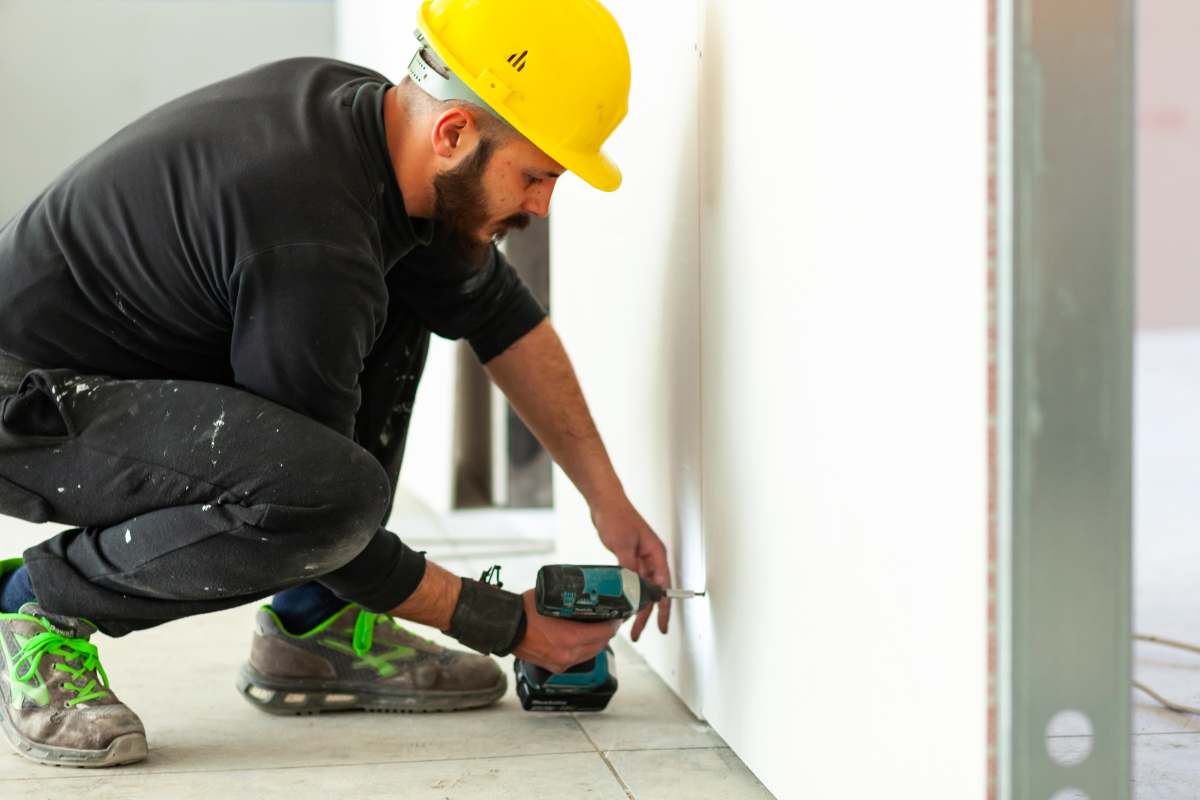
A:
[125,749]
[294,697]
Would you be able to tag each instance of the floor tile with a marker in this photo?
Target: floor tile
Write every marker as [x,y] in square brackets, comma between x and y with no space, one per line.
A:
[1172,674]
[644,713]
[1167,505]
[1166,767]
[180,679]
[206,740]
[16,535]
[555,776]
[698,774]
[494,536]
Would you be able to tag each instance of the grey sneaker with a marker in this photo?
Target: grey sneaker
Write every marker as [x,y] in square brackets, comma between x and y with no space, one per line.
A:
[359,660]
[57,707]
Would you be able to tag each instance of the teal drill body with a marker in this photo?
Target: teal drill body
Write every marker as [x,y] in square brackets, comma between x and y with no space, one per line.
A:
[583,593]
[592,592]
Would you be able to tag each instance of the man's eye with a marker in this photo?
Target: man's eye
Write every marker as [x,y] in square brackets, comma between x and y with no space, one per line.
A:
[530,180]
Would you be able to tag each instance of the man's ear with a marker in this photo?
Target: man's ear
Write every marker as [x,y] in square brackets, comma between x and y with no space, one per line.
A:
[448,131]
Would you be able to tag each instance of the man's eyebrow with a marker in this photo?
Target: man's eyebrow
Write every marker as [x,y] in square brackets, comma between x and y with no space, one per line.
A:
[550,174]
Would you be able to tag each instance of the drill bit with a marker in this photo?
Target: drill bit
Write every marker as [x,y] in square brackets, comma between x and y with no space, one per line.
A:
[683,594]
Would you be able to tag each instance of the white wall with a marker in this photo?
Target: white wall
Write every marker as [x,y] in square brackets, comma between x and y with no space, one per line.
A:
[780,321]
[1168,152]
[72,73]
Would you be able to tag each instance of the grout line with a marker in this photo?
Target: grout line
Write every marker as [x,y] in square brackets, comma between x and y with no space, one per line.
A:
[283,767]
[624,786]
[669,749]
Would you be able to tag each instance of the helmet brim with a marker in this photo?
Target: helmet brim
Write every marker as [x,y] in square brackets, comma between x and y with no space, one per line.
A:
[596,169]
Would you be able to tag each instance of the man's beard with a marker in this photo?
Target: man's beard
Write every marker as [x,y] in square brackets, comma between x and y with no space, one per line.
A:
[461,207]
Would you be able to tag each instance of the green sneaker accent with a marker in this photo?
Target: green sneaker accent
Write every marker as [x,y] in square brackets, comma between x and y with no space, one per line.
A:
[57,707]
[362,641]
[360,659]
[30,687]
[382,663]
[364,632]
[266,609]
[10,565]
[69,649]
[364,629]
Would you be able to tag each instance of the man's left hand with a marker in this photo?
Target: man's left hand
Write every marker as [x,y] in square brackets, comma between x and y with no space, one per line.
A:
[623,531]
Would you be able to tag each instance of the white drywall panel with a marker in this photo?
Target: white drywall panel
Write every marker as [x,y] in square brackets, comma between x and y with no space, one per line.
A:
[834,371]
[625,299]
[844,405]
[428,467]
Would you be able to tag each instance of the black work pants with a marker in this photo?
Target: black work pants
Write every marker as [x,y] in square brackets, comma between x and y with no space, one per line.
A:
[188,497]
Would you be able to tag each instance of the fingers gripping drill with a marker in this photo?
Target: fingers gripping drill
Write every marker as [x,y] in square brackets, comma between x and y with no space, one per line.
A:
[596,593]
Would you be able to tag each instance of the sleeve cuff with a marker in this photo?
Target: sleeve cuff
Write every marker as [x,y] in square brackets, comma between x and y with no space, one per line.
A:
[382,576]
[523,315]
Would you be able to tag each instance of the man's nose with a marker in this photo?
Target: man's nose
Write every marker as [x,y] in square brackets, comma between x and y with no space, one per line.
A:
[537,202]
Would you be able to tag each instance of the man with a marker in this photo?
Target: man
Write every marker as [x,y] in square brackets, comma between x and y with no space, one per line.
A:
[212,328]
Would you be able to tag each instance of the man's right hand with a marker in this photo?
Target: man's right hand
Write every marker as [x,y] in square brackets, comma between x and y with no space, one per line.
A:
[558,644]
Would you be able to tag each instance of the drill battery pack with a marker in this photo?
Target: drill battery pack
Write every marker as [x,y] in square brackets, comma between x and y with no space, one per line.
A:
[584,687]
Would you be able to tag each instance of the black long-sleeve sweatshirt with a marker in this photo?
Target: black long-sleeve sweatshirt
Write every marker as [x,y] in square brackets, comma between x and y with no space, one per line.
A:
[252,233]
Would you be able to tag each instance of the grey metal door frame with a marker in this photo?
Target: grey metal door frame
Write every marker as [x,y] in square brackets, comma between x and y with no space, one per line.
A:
[1063,169]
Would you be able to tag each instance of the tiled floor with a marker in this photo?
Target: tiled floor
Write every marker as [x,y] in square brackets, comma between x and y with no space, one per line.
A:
[1167,563]
[206,742]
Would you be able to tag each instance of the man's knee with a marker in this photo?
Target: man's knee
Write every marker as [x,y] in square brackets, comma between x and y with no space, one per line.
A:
[344,503]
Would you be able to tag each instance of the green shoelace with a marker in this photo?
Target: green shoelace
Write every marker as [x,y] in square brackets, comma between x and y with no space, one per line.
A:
[364,631]
[364,626]
[69,649]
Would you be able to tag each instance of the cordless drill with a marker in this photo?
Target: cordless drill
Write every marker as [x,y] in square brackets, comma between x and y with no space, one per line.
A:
[595,593]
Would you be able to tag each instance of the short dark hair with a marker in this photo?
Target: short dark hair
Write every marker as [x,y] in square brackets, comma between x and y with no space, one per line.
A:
[417,101]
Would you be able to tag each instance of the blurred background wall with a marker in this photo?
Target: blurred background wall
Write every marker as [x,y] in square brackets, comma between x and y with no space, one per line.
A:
[73,72]
[1168,253]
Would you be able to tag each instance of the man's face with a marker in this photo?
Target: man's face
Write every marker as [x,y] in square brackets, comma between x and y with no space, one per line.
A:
[492,191]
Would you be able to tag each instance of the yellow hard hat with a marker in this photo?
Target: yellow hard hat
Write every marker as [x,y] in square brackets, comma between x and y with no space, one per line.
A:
[555,70]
